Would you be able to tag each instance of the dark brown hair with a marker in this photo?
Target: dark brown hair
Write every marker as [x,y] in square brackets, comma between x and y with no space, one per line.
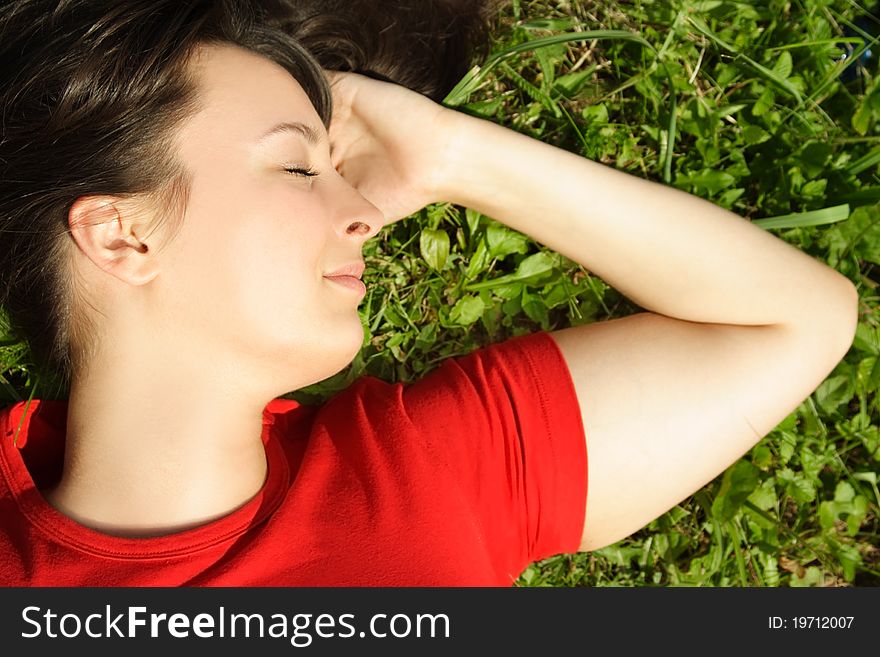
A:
[427,45]
[92,90]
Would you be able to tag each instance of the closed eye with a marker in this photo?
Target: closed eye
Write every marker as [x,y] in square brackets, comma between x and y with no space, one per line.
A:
[297,171]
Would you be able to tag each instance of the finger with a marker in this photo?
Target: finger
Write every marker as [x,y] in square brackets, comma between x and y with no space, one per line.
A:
[336,157]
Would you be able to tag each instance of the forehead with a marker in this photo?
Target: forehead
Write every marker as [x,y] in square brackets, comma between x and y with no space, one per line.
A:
[242,94]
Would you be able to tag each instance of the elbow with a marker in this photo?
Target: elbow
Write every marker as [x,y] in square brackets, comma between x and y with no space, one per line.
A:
[827,326]
[837,318]
[849,314]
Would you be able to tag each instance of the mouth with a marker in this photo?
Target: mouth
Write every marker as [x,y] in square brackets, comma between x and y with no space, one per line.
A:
[353,269]
[350,282]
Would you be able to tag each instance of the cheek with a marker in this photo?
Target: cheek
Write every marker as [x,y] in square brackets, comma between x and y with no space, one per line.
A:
[292,237]
[280,257]
[254,247]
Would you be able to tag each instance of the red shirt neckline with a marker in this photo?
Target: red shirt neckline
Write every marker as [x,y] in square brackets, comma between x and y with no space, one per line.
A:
[45,422]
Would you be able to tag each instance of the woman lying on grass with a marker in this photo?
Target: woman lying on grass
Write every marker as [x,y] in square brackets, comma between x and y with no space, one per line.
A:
[182,224]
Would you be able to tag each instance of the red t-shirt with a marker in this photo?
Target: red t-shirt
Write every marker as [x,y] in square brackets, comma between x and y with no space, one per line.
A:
[462,478]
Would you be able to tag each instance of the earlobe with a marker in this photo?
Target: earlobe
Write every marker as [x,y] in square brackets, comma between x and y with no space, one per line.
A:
[104,228]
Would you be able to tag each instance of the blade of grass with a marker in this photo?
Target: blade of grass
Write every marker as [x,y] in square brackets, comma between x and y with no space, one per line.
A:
[469,83]
[472,80]
[25,412]
[817,42]
[869,159]
[834,74]
[828,215]
[773,76]
[736,543]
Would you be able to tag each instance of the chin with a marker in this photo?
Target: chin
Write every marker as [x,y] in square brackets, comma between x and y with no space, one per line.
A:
[353,345]
[338,352]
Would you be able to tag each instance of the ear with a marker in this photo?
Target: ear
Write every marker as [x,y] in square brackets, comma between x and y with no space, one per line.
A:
[106,230]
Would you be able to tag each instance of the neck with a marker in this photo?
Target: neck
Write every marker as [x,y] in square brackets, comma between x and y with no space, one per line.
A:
[157,447]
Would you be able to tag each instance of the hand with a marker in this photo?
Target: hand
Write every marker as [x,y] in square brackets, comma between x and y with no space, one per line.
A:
[389,142]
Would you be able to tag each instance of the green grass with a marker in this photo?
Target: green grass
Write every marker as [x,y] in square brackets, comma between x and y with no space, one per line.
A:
[740,103]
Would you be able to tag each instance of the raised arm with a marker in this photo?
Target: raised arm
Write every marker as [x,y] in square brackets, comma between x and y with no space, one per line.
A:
[741,327]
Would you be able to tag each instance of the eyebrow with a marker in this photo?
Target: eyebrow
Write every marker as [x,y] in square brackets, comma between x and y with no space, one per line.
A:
[310,134]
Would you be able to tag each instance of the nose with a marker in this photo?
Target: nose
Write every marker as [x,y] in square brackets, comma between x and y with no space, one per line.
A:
[358,218]
[361,228]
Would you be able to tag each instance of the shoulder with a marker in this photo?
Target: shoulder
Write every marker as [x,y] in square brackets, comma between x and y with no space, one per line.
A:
[500,386]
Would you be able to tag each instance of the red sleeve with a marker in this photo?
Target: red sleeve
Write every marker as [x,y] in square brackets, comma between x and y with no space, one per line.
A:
[506,420]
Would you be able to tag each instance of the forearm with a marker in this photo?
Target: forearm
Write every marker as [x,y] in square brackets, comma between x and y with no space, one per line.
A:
[670,252]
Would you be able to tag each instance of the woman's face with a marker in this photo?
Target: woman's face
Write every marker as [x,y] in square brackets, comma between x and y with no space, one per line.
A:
[246,273]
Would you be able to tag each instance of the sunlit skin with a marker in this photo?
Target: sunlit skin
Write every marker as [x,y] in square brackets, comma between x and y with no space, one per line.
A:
[739,326]
[201,332]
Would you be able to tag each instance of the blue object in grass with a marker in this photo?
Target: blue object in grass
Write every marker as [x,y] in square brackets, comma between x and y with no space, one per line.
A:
[869,24]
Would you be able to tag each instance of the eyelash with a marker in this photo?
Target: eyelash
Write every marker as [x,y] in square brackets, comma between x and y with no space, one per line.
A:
[297,171]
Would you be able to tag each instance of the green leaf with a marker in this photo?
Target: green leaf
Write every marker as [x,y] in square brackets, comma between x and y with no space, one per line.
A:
[427,336]
[394,317]
[860,234]
[554,24]
[546,58]
[467,310]
[571,84]
[473,219]
[764,103]
[484,108]
[479,261]
[727,110]
[727,197]
[512,306]
[532,268]
[844,492]
[858,511]
[815,189]
[556,294]
[711,180]
[813,157]
[771,570]
[867,339]
[797,486]
[762,457]
[535,308]
[783,65]
[395,340]
[870,477]
[596,114]
[754,135]
[502,241]
[833,392]
[849,558]
[434,246]
[812,577]
[861,118]
[827,514]
[764,496]
[508,291]
[737,484]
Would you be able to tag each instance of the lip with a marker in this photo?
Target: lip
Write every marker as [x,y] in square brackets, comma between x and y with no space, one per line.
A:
[353,269]
[351,282]
[349,276]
